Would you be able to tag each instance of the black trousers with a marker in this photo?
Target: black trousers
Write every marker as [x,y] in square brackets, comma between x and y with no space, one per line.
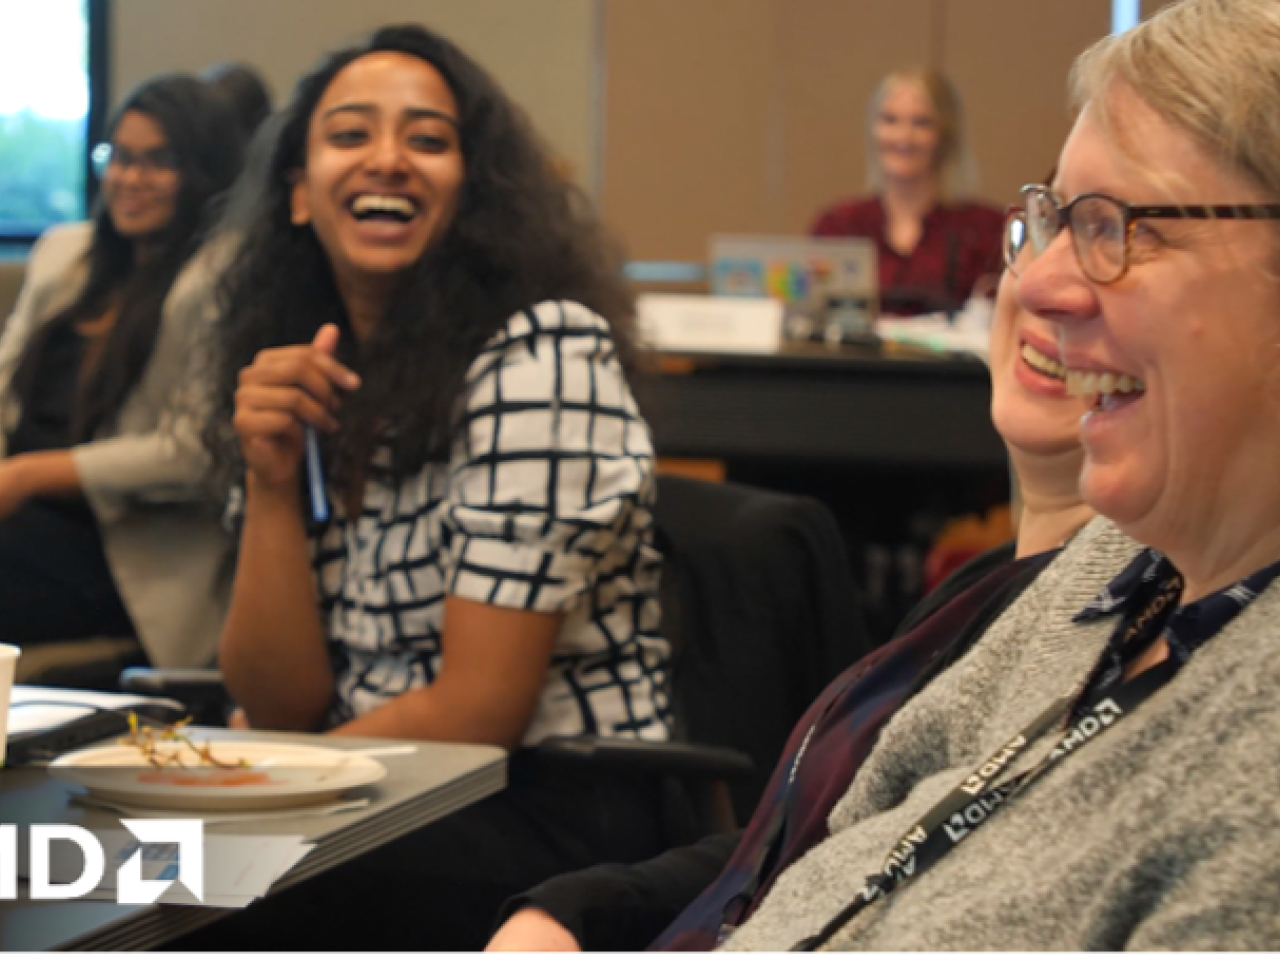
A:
[440,887]
[54,580]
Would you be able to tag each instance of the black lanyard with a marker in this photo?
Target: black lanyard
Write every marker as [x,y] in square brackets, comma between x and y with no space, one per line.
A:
[975,799]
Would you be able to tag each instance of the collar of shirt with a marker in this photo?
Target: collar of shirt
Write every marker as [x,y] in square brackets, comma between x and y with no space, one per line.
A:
[1192,624]
[880,215]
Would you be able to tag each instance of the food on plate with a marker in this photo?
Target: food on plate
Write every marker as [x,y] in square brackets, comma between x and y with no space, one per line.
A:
[165,747]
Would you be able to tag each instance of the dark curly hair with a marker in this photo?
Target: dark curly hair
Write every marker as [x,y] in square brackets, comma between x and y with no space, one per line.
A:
[521,234]
[202,135]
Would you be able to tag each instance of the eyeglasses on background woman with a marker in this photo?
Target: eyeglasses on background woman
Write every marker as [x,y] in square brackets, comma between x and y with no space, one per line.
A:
[105,155]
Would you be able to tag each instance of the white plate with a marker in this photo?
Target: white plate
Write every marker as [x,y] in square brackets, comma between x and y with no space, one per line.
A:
[273,775]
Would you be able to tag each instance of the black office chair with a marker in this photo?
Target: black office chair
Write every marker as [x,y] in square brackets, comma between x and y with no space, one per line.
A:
[760,606]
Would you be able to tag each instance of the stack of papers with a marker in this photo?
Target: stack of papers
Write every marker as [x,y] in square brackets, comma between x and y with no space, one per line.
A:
[33,709]
[968,333]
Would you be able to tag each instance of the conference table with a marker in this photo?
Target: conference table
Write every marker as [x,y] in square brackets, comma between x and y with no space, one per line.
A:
[851,405]
[421,787]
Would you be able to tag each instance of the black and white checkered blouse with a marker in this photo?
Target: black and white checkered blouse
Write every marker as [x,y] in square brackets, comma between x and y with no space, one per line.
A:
[545,505]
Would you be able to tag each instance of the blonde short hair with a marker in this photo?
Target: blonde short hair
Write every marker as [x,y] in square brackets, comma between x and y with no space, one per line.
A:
[953,164]
[1210,68]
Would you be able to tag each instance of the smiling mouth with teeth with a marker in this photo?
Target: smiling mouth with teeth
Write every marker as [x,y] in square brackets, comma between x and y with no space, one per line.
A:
[396,209]
[1109,390]
[1038,362]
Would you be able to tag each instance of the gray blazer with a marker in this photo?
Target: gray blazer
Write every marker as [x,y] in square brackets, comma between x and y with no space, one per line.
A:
[144,476]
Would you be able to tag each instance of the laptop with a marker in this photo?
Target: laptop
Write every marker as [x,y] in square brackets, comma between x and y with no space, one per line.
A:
[830,284]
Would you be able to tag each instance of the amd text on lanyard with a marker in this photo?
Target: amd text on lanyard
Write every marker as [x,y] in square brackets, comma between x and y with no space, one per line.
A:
[971,803]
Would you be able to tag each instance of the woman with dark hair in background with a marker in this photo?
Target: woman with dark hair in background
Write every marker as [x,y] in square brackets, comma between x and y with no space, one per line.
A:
[102,526]
[416,284]
[244,91]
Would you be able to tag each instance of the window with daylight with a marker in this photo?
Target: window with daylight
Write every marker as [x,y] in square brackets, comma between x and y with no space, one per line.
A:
[49,81]
[1125,15]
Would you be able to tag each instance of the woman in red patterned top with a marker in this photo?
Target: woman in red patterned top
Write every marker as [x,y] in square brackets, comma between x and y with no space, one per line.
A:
[933,247]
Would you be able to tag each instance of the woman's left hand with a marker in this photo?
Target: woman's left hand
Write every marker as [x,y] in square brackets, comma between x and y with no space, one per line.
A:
[51,473]
[532,930]
[16,486]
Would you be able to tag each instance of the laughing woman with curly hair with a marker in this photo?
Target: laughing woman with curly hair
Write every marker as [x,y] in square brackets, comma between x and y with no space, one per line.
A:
[416,286]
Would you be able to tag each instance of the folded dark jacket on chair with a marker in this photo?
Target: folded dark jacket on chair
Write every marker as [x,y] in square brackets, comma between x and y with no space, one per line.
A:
[762,609]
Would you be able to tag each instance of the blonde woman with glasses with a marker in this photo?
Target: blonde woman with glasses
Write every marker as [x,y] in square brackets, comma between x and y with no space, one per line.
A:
[1100,772]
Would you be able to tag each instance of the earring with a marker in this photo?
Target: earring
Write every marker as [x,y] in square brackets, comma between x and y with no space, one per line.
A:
[299,218]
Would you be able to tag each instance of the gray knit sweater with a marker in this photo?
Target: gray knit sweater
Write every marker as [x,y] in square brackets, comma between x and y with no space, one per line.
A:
[1163,833]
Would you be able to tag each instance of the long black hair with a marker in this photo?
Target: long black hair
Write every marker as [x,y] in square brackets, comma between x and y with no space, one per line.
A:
[521,234]
[208,148]
[244,90]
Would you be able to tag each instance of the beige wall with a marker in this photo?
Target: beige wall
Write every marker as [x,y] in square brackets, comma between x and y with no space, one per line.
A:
[747,115]
[1011,60]
[713,115]
[687,121]
[542,51]
[1151,6]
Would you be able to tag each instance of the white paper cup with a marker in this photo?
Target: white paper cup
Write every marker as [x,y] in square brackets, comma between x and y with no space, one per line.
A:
[8,660]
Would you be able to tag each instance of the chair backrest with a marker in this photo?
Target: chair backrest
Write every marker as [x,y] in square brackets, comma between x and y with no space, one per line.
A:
[761,607]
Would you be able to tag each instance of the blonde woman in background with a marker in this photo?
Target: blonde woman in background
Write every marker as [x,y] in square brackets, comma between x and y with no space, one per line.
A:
[934,246]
